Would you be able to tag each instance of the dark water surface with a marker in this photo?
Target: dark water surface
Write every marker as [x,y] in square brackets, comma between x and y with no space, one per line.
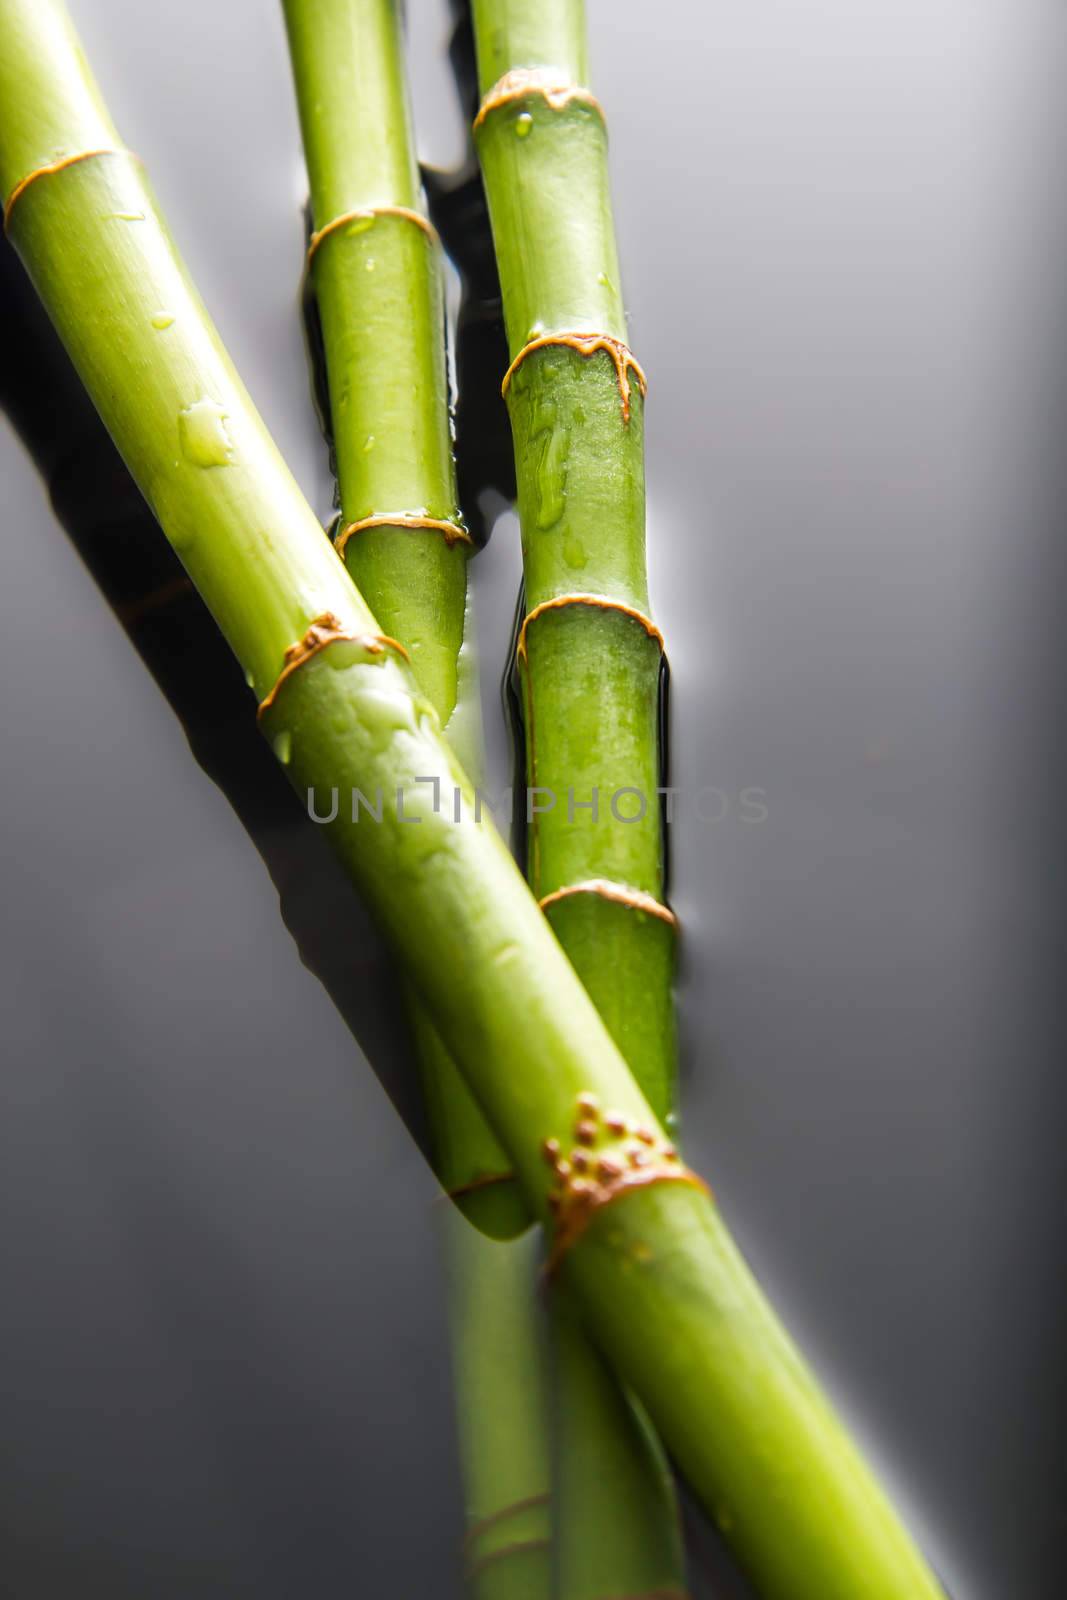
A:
[222,1337]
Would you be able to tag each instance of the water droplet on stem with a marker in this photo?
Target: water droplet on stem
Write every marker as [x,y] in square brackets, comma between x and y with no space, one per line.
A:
[203,436]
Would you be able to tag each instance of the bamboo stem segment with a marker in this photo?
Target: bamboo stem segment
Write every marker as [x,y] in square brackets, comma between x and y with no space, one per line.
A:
[590,723]
[375,270]
[590,676]
[350,50]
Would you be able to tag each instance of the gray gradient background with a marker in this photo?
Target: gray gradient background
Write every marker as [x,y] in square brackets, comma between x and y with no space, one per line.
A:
[222,1348]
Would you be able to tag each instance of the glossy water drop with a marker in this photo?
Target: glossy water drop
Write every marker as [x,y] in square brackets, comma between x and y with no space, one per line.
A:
[384,715]
[162,319]
[250,677]
[202,434]
[282,745]
[574,554]
[368,265]
[524,125]
[368,444]
[361,225]
[552,477]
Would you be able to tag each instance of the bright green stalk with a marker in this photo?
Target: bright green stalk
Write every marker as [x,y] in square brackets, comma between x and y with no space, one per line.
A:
[670,1300]
[378,287]
[590,675]
[590,682]
[384,351]
[382,335]
[383,339]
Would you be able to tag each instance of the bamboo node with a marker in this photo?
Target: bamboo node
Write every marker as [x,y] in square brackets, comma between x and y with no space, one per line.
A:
[369,214]
[488,1181]
[521,1547]
[615,1154]
[454,532]
[599,602]
[520,83]
[51,168]
[621,893]
[588,344]
[324,631]
[477,1529]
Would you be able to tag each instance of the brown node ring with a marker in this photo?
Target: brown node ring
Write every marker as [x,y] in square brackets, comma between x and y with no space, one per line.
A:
[324,631]
[521,1547]
[612,1155]
[454,532]
[50,169]
[620,893]
[520,83]
[599,602]
[588,344]
[601,1195]
[477,1529]
[489,1181]
[369,213]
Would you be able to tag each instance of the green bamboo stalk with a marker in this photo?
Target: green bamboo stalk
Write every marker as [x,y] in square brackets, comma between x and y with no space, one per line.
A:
[670,1300]
[377,281]
[590,673]
[589,653]
[383,343]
